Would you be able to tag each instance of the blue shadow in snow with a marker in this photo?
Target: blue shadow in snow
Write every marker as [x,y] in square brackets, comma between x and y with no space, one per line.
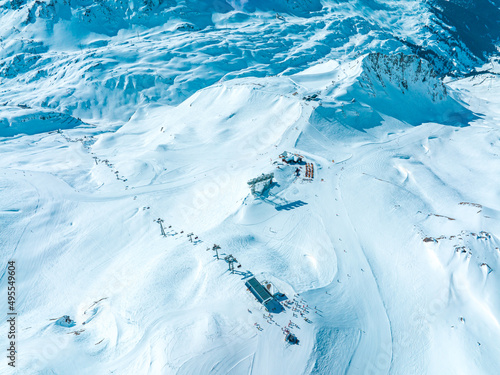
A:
[290,206]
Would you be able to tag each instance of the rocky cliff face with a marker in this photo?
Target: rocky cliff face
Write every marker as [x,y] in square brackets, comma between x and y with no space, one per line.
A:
[409,74]
[404,87]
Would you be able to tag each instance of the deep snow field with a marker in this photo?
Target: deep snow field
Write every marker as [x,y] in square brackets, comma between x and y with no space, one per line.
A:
[392,249]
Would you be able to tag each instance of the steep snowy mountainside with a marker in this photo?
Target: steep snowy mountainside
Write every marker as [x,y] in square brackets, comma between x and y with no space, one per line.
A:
[407,88]
[91,59]
[404,87]
[19,120]
[108,17]
[476,23]
[408,73]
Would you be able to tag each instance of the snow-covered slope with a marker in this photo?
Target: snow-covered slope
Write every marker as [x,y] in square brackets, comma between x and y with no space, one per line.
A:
[104,59]
[22,120]
[402,86]
[386,243]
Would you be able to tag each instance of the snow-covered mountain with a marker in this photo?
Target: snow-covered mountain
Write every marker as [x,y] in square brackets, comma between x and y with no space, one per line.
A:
[384,240]
[81,55]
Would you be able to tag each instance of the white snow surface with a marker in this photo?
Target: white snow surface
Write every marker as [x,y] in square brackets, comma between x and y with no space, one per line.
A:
[392,249]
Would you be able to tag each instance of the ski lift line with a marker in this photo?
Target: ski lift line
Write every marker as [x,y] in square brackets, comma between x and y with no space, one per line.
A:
[229,258]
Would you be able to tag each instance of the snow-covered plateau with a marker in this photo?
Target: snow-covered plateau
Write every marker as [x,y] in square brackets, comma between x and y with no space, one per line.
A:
[129,132]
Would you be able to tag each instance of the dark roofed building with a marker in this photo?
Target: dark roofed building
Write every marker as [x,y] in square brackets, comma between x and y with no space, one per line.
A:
[258,290]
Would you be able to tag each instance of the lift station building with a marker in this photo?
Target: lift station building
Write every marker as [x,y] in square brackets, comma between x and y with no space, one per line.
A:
[258,290]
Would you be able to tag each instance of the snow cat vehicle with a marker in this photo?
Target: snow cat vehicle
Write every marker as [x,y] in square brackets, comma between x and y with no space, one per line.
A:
[292,339]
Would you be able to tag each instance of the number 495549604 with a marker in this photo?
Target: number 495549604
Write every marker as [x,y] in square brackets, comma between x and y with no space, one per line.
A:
[11,287]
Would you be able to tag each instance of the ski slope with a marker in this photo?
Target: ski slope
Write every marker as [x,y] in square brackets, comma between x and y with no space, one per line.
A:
[391,251]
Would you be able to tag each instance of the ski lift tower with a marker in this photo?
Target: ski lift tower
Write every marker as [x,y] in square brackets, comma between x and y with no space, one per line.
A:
[160,221]
[190,236]
[216,248]
[265,179]
[231,260]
